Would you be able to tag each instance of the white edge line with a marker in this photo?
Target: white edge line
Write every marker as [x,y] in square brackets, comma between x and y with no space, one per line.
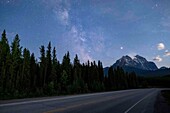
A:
[58,98]
[137,103]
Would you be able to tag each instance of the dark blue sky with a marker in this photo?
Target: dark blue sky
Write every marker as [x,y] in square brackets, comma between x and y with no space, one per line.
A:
[94,29]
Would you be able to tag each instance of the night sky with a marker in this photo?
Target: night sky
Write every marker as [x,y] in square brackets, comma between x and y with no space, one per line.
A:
[94,29]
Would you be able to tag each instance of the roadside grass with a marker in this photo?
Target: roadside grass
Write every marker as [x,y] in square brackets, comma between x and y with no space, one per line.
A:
[166,95]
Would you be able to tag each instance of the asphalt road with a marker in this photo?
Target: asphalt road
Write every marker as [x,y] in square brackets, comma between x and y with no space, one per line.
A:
[125,101]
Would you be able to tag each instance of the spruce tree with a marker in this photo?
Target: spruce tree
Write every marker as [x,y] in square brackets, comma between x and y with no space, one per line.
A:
[42,67]
[33,72]
[110,77]
[66,65]
[101,73]
[25,78]
[16,65]
[48,63]
[76,68]
[4,60]
[54,67]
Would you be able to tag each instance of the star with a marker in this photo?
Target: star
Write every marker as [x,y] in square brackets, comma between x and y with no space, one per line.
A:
[156,5]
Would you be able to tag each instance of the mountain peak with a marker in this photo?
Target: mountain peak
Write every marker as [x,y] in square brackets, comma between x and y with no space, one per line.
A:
[140,59]
[136,62]
[126,58]
[139,56]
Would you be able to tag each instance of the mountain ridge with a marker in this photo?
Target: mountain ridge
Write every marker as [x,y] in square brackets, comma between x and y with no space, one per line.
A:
[139,65]
[136,62]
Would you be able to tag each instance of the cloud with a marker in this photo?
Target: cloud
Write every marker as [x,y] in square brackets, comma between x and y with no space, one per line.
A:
[167,53]
[121,48]
[157,59]
[160,46]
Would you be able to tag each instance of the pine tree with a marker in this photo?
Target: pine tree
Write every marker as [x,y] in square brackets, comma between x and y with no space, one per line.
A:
[95,71]
[4,48]
[76,68]
[133,80]
[110,77]
[33,70]
[101,73]
[42,67]
[66,65]
[64,81]
[4,59]
[48,64]
[25,78]
[16,65]
[54,67]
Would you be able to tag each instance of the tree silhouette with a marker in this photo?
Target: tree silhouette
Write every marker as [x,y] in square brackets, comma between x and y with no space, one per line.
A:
[22,75]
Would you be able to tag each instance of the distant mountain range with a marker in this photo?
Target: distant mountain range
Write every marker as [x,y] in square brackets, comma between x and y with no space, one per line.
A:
[140,66]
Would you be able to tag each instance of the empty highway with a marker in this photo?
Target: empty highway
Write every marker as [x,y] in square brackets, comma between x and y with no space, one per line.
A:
[125,101]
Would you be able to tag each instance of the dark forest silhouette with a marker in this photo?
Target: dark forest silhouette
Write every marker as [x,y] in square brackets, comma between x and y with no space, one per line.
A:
[21,75]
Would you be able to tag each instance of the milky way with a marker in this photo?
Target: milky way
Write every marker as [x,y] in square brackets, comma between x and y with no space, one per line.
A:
[94,29]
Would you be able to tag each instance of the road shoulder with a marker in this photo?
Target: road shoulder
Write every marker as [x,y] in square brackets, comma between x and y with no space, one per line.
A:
[161,105]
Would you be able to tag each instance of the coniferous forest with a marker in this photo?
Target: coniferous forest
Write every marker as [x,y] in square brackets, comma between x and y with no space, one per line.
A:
[22,75]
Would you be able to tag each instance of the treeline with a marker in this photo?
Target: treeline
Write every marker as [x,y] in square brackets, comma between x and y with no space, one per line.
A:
[118,79]
[21,75]
[160,81]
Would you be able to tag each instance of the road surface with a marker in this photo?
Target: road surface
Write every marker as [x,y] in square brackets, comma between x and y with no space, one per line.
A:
[125,101]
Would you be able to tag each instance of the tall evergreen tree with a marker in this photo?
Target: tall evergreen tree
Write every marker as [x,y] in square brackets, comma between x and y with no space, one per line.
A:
[54,67]
[110,77]
[48,63]
[4,48]
[76,68]
[16,65]
[33,72]
[25,78]
[56,72]
[66,65]
[42,67]
[101,73]
[64,81]
[4,60]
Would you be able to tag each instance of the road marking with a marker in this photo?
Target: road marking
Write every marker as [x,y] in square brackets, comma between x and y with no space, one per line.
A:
[137,103]
[65,108]
[61,98]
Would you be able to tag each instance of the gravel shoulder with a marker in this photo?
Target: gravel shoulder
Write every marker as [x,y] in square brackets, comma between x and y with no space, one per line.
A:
[161,104]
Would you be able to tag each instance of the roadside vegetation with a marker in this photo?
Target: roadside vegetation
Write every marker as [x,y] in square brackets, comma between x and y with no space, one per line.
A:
[166,95]
[159,82]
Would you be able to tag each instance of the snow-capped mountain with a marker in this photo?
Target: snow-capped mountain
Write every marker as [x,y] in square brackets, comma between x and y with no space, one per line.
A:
[138,62]
[140,66]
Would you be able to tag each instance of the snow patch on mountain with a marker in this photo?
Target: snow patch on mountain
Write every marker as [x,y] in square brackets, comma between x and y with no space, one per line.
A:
[136,62]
